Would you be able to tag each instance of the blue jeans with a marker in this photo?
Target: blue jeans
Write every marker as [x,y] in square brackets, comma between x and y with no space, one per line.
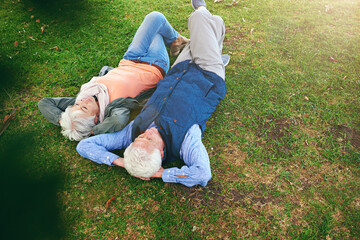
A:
[150,41]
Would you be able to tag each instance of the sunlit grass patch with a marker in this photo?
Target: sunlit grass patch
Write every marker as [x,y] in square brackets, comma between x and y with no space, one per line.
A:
[283,144]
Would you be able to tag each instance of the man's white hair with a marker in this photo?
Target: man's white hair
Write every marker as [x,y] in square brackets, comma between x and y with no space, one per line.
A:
[75,127]
[139,163]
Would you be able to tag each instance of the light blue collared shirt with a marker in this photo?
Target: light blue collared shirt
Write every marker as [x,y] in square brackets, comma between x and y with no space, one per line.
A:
[192,152]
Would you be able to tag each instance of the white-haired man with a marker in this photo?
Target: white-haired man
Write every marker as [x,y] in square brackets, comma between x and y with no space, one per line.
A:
[171,124]
[103,105]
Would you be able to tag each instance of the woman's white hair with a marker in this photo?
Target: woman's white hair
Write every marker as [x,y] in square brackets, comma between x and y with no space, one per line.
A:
[75,127]
[139,163]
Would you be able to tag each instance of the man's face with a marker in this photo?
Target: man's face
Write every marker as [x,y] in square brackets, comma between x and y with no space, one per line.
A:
[150,140]
[88,106]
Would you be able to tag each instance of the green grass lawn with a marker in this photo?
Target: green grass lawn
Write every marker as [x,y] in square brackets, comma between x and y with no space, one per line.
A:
[283,144]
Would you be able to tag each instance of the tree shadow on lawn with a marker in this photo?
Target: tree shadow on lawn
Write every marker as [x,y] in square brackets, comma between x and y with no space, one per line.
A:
[70,10]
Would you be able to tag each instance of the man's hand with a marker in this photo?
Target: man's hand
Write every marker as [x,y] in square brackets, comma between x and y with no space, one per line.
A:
[159,173]
[119,162]
[145,179]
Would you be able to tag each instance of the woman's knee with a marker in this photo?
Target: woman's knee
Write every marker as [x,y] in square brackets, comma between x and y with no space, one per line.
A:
[154,16]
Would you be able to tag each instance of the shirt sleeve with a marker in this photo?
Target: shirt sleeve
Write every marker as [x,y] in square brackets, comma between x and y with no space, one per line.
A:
[52,108]
[117,121]
[196,158]
[97,148]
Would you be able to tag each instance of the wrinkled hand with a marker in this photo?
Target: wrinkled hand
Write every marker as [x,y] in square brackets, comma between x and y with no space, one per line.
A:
[158,174]
[145,179]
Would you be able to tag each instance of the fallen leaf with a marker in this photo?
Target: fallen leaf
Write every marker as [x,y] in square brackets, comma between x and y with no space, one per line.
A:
[306,114]
[37,20]
[16,43]
[344,77]
[32,38]
[6,118]
[333,59]
[293,94]
[43,28]
[32,16]
[55,48]
[306,98]
[109,201]
[30,9]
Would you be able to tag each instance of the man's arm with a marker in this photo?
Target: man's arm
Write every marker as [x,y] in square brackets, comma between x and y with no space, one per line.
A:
[97,148]
[52,108]
[194,154]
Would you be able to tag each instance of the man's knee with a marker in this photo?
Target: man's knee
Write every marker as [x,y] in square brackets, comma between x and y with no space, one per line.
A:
[201,13]
[218,19]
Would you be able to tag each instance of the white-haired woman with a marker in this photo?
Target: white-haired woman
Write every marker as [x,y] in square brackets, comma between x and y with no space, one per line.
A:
[103,105]
[171,124]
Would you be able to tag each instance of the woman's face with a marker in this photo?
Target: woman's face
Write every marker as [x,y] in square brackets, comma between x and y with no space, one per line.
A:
[88,106]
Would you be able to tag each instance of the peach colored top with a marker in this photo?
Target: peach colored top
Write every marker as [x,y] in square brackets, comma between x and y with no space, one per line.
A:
[129,79]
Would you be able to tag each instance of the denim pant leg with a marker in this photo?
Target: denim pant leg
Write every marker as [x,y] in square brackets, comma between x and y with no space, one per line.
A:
[150,41]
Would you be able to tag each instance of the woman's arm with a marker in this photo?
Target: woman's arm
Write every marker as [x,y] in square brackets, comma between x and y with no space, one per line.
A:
[52,108]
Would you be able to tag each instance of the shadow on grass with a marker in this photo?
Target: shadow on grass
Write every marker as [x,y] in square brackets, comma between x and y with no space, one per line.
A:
[29,203]
[71,10]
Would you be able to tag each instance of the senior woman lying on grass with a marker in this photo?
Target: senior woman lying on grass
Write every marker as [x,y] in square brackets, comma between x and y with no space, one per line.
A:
[171,124]
[103,105]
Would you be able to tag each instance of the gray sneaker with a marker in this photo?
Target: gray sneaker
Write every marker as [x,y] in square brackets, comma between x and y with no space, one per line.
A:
[226,59]
[198,3]
[104,70]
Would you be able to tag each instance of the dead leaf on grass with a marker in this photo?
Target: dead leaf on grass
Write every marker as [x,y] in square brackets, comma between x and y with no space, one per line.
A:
[109,201]
[333,59]
[55,48]
[43,28]
[16,43]
[6,118]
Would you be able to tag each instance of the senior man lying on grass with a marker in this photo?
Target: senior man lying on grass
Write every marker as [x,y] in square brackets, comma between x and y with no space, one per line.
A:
[103,104]
[171,124]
